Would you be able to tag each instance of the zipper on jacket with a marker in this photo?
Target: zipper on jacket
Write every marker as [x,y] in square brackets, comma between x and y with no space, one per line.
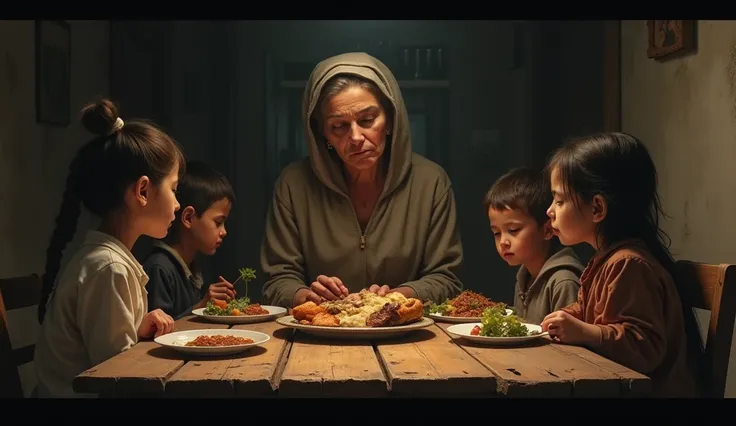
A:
[363,233]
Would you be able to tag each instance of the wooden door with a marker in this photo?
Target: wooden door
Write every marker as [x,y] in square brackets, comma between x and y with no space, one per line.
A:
[140,67]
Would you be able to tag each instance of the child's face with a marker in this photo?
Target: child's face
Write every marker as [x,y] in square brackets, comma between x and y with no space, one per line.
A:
[158,204]
[519,238]
[208,228]
[571,224]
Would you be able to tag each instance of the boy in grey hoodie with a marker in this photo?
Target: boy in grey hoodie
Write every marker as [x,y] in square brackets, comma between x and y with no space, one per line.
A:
[548,279]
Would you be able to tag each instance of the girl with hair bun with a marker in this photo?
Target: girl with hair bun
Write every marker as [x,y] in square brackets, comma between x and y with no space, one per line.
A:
[127,175]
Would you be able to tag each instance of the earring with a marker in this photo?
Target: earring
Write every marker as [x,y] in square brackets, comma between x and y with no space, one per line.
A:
[388,131]
[329,145]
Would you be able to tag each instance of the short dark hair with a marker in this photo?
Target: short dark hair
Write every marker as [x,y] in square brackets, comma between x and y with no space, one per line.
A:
[524,189]
[200,187]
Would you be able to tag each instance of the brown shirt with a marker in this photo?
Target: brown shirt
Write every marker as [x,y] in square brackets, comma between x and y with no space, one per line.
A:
[633,299]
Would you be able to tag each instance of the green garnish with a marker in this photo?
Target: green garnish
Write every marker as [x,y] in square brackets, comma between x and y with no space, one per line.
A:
[246,274]
[442,309]
[495,323]
[214,307]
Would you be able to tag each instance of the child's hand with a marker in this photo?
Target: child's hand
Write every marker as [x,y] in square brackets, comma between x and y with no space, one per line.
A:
[221,290]
[155,323]
[568,329]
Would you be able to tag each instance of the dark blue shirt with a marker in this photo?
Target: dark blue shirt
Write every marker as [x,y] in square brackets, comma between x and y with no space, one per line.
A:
[172,287]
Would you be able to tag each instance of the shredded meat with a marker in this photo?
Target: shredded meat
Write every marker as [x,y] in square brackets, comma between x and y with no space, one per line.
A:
[255,309]
[219,341]
[470,304]
[337,306]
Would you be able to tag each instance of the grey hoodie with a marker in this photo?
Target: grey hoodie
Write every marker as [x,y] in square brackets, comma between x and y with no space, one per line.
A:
[555,287]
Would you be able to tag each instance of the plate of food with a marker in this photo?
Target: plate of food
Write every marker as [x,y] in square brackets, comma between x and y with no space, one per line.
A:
[467,307]
[497,328]
[212,342]
[241,310]
[238,311]
[362,315]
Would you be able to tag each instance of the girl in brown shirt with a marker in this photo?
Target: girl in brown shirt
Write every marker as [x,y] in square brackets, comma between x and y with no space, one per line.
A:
[628,309]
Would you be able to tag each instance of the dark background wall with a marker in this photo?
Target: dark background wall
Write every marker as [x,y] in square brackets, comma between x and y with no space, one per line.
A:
[516,89]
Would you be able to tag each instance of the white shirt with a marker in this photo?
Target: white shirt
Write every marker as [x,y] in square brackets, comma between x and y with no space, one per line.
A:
[93,314]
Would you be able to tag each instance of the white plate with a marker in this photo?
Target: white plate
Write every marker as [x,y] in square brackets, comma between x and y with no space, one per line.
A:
[460,320]
[358,333]
[179,339]
[463,331]
[274,312]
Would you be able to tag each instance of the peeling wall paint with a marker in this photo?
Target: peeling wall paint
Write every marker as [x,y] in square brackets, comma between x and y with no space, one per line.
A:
[685,111]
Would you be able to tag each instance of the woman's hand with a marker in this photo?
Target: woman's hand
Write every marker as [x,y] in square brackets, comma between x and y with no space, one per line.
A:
[380,290]
[155,323]
[565,328]
[326,288]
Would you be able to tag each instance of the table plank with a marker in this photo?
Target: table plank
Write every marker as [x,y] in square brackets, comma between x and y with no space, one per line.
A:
[250,373]
[260,376]
[538,369]
[332,368]
[142,369]
[193,322]
[427,362]
[633,384]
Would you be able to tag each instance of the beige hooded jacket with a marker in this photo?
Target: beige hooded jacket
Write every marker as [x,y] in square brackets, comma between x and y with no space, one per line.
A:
[312,229]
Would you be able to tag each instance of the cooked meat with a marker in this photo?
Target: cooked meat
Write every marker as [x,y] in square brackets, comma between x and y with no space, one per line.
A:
[307,311]
[384,317]
[333,309]
[326,320]
[355,299]
[336,306]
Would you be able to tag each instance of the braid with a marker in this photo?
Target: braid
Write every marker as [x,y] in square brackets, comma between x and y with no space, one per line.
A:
[66,226]
[116,158]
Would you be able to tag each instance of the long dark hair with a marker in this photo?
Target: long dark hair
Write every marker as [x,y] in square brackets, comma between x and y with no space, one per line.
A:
[119,155]
[618,167]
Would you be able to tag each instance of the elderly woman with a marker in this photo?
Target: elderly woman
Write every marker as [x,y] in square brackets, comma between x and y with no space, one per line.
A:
[363,211]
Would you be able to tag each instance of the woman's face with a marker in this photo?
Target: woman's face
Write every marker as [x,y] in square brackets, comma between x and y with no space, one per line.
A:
[356,126]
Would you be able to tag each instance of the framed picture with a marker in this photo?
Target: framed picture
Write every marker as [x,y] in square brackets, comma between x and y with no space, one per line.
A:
[53,72]
[670,38]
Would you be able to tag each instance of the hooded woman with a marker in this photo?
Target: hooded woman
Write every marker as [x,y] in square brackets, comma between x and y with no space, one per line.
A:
[363,211]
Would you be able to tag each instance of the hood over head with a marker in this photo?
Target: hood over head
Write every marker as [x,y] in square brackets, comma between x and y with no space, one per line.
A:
[326,165]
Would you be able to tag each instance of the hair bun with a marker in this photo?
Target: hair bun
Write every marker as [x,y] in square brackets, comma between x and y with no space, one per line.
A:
[99,118]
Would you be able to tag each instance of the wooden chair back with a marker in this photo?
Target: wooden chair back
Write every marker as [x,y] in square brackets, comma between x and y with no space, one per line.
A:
[19,327]
[712,287]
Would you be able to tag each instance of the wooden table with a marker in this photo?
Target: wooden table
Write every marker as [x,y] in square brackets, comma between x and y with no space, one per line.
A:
[424,362]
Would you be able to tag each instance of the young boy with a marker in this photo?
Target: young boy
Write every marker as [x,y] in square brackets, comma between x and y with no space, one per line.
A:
[175,282]
[548,278]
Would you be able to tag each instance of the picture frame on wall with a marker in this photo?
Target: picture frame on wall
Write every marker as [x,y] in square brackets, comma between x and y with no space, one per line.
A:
[670,38]
[53,72]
